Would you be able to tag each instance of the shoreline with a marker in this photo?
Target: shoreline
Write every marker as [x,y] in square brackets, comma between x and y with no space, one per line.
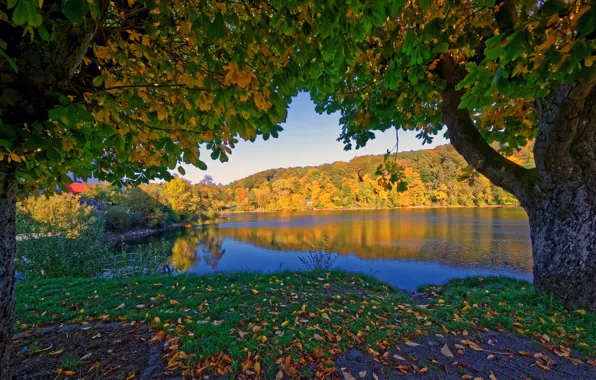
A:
[365,209]
[113,238]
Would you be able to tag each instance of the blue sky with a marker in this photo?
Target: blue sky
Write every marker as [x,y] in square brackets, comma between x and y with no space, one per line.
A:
[308,139]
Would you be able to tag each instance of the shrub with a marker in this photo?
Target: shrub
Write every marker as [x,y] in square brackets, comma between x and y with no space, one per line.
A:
[60,213]
[119,218]
[103,193]
[52,256]
[319,258]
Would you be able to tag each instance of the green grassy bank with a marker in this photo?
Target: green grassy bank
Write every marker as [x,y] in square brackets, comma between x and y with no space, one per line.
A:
[257,323]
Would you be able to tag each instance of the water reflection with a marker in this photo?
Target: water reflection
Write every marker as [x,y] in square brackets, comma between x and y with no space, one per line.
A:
[493,240]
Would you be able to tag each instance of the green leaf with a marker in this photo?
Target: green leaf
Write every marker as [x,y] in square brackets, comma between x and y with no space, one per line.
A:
[181,170]
[98,80]
[10,61]
[201,165]
[5,143]
[75,10]
[54,154]
[587,23]
[217,28]
[11,3]
[20,14]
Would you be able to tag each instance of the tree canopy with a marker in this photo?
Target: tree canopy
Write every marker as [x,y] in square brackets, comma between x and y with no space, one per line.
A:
[126,90]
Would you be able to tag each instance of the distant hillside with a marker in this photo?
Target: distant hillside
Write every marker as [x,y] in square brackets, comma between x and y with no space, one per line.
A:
[435,177]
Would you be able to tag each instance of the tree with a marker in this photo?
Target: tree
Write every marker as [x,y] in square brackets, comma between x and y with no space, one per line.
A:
[124,91]
[491,71]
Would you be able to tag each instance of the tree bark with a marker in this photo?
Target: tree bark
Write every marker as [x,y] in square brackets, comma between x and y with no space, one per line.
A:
[559,195]
[563,232]
[562,209]
[8,194]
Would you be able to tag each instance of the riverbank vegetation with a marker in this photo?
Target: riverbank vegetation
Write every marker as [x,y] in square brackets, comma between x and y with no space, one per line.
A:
[298,323]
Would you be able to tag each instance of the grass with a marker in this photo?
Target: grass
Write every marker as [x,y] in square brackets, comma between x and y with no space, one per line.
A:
[298,322]
[502,303]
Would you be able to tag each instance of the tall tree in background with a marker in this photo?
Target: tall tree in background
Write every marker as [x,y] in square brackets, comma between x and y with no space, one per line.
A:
[502,71]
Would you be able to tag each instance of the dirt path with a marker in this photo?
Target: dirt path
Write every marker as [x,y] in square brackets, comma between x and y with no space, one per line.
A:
[489,355]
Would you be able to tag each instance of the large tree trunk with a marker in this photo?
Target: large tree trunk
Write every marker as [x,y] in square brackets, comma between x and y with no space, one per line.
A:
[559,195]
[563,231]
[562,205]
[8,193]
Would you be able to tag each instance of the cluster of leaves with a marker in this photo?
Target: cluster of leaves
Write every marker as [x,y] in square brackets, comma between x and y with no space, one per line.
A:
[291,324]
[136,86]
[504,54]
[61,214]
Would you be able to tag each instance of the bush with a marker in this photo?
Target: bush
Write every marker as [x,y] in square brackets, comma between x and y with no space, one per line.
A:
[103,193]
[52,256]
[60,213]
[319,258]
[119,218]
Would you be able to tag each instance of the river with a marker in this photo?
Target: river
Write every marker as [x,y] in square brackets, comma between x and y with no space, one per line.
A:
[403,247]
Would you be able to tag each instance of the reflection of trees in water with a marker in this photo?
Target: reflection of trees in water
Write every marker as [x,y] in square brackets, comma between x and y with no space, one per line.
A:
[189,248]
[447,239]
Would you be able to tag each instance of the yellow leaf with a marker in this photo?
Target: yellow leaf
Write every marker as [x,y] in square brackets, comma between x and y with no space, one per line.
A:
[56,353]
[174,302]
[324,315]
[255,291]
[285,323]
[590,61]
[257,367]
[581,311]
[156,320]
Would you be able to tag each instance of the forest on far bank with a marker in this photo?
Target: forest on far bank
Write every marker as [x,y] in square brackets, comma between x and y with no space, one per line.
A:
[438,176]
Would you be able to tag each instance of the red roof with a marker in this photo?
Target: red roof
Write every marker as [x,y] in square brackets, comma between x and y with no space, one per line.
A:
[77,188]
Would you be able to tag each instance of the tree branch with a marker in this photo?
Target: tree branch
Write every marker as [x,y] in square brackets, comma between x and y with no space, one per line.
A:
[180,85]
[468,141]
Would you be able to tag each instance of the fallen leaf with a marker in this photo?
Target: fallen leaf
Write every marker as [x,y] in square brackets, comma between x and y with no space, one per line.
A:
[57,352]
[490,357]
[362,374]
[255,291]
[121,306]
[412,344]
[492,376]
[257,367]
[399,357]
[446,351]
[375,376]
[347,376]
[85,357]
[174,302]
[319,338]
[217,323]
[279,376]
